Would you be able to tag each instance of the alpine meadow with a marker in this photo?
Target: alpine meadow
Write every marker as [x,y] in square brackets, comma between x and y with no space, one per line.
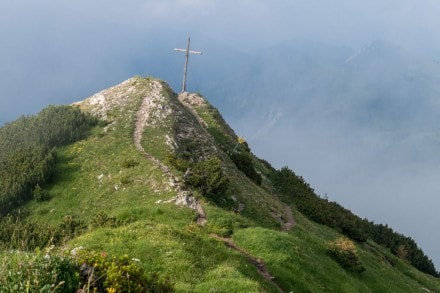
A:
[141,189]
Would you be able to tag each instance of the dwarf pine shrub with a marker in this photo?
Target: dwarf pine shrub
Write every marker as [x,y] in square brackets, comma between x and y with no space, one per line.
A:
[208,177]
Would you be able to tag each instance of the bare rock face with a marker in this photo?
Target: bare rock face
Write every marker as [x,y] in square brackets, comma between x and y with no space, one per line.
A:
[187,201]
[106,101]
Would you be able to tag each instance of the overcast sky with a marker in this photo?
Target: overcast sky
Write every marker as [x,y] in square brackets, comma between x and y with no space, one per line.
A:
[58,52]
[55,51]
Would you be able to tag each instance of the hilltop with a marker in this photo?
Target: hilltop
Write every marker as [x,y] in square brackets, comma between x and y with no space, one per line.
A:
[157,186]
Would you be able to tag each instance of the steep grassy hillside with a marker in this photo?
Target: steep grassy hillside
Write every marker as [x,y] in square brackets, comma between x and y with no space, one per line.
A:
[166,188]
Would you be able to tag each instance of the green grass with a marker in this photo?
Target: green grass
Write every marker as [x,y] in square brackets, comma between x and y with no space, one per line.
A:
[186,254]
[259,204]
[164,237]
[91,175]
[105,173]
[300,263]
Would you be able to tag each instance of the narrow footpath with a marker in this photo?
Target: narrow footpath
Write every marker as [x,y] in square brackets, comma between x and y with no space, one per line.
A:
[183,196]
[256,262]
[290,221]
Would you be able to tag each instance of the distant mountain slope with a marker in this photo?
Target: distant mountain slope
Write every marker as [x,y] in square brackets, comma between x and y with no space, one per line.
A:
[380,90]
[373,86]
[139,184]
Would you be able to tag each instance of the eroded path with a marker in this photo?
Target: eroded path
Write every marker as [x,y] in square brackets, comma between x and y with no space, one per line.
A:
[183,196]
[290,221]
[141,122]
[258,263]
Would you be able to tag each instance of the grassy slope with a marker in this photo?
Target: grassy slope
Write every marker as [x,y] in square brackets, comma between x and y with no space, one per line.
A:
[166,239]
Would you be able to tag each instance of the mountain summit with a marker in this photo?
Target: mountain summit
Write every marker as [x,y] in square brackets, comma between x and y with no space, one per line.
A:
[156,193]
[170,128]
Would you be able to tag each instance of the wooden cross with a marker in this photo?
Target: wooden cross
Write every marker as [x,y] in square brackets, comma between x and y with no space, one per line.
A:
[187,52]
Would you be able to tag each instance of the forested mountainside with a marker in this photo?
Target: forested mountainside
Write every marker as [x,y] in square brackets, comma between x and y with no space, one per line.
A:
[140,189]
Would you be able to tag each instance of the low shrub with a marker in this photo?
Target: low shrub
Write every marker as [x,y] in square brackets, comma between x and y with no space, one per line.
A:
[71,227]
[130,163]
[103,220]
[102,273]
[16,233]
[81,271]
[223,227]
[343,250]
[177,162]
[40,272]
[208,177]
[125,180]
[40,194]
[243,161]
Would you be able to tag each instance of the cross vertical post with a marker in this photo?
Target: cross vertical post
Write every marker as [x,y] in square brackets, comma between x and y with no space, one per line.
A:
[185,69]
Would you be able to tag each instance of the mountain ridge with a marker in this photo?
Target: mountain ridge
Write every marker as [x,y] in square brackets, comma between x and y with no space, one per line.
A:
[174,110]
[156,149]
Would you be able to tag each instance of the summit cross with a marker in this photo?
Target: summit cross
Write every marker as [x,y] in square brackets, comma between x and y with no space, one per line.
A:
[185,69]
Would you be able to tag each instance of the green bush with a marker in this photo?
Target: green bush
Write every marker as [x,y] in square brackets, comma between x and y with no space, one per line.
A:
[38,272]
[177,162]
[70,227]
[40,194]
[104,220]
[221,226]
[343,250]
[243,161]
[126,180]
[208,177]
[102,273]
[129,163]
[16,233]
[82,271]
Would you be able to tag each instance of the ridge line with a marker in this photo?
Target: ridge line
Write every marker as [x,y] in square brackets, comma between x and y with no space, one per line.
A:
[183,197]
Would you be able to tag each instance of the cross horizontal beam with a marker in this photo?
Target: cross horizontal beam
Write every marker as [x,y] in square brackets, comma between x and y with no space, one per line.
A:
[184,50]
